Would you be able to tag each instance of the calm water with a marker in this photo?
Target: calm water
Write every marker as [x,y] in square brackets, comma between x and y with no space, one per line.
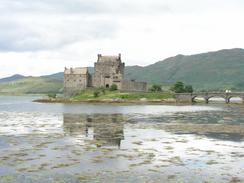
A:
[111,143]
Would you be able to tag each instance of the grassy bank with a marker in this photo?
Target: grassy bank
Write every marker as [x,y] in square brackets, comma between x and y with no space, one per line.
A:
[107,96]
[120,95]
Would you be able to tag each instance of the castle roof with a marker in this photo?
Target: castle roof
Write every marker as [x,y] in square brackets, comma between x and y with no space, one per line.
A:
[109,58]
[78,70]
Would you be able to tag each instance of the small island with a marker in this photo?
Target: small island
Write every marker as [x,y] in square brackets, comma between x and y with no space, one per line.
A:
[106,84]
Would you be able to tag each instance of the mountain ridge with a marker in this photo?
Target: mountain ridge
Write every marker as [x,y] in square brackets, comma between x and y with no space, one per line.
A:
[12,78]
[215,70]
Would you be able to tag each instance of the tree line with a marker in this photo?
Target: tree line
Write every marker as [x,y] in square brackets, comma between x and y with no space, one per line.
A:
[178,87]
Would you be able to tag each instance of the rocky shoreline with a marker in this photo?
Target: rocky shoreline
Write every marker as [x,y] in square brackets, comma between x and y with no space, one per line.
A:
[108,101]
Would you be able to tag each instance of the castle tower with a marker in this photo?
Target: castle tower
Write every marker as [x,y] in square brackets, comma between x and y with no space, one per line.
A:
[108,70]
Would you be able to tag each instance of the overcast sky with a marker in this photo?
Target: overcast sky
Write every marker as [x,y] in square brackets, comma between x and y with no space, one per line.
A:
[40,37]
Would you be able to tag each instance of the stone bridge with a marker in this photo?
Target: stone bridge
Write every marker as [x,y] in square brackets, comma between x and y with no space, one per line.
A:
[208,95]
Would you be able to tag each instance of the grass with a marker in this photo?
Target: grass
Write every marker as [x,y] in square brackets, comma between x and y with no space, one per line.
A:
[31,85]
[89,95]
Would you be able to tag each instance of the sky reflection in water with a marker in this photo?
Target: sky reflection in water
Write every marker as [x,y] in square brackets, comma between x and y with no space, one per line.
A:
[79,143]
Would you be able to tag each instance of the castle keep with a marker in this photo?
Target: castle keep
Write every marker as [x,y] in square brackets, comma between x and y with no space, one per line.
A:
[108,70]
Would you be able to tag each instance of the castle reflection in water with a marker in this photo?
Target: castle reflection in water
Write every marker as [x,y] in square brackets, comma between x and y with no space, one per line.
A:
[107,128]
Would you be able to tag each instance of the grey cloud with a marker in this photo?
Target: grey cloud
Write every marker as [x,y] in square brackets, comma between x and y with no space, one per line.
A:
[84,6]
[32,25]
[48,6]
[35,36]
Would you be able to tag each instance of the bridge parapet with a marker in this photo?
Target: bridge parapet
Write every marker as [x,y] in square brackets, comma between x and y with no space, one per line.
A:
[207,95]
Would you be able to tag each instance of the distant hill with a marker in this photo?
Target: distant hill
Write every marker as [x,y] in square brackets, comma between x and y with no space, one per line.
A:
[12,78]
[208,71]
[58,76]
[31,85]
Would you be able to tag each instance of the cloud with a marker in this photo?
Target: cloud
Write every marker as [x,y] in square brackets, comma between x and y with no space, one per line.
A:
[42,36]
[28,25]
[84,6]
[51,32]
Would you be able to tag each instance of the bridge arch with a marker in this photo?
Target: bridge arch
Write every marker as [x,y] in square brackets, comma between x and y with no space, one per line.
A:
[235,98]
[216,96]
[198,96]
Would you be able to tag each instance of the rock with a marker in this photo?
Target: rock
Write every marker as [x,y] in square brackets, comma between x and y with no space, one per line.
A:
[143,99]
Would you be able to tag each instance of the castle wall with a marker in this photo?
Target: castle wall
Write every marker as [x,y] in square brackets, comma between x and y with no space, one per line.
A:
[75,83]
[127,85]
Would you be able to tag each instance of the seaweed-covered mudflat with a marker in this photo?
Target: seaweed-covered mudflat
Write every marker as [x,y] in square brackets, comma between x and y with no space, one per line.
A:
[60,143]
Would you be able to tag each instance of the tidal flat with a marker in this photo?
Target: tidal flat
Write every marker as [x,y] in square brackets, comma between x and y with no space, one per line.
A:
[59,143]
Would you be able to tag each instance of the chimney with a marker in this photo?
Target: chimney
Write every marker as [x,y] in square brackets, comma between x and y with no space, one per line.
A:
[99,56]
[119,56]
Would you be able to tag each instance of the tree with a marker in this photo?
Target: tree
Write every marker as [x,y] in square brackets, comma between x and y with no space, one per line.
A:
[156,88]
[178,87]
[113,87]
[188,89]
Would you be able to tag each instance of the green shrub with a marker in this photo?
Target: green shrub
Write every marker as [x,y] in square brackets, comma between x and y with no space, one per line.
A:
[156,88]
[96,94]
[188,89]
[52,95]
[103,90]
[180,87]
[125,96]
[113,87]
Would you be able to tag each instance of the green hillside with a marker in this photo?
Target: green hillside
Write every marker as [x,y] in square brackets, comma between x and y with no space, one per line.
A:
[31,85]
[209,71]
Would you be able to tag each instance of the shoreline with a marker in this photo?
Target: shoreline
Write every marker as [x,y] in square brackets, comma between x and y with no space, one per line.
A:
[169,101]
[138,102]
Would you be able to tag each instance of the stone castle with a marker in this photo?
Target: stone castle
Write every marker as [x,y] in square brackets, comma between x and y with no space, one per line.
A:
[108,70]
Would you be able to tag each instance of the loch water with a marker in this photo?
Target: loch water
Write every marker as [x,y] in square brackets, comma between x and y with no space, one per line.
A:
[59,143]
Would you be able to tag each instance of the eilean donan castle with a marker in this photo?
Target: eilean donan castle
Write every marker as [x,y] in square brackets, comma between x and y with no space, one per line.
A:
[108,70]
